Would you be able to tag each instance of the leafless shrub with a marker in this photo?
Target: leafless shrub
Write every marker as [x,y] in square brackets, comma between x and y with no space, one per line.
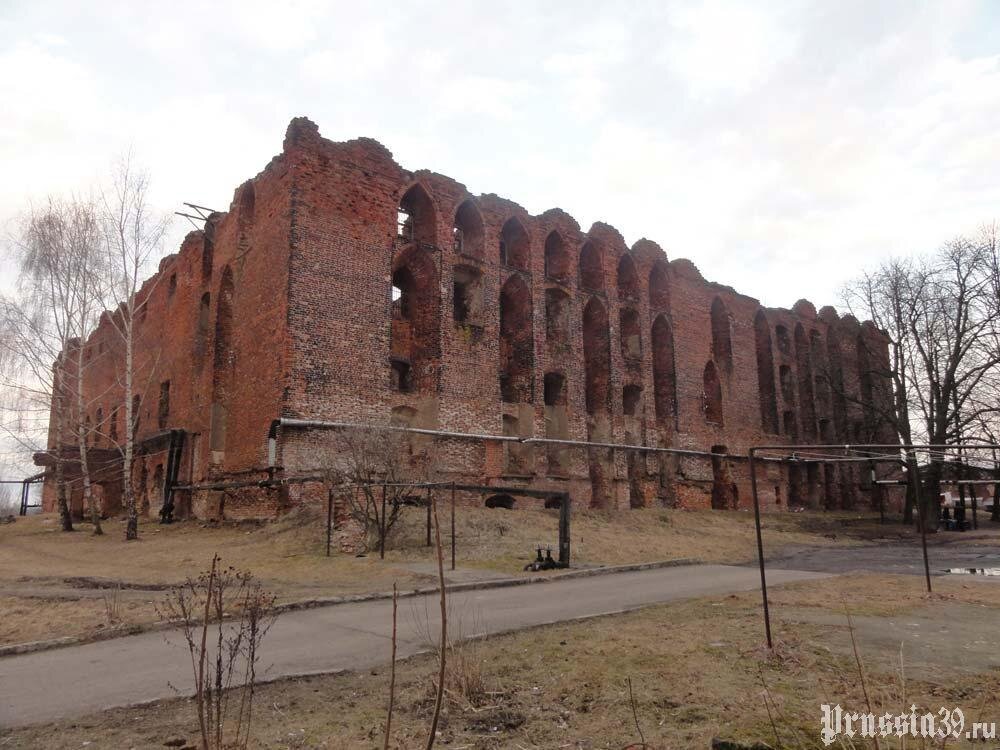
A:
[112,606]
[224,615]
[374,474]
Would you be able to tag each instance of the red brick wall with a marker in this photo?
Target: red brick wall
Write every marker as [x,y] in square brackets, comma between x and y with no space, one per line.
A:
[312,337]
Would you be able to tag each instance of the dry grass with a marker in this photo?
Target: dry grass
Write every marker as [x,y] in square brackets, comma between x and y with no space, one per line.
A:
[52,583]
[696,669]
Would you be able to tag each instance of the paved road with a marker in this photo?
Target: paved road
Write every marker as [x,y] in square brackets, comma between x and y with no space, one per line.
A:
[77,680]
[894,558]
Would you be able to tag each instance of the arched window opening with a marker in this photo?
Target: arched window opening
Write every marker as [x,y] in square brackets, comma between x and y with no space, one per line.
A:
[555,389]
[208,250]
[787,384]
[866,381]
[99,425]
[467,232]
[596,356]
[223,362]
[557,259]
[722,342]
[664,375]
[631,398]
[500,501]
[400,379]
[557,307]
[415,219]
[822,385]
[825,434]
[629,330]
[807,396]
[659,287]
[202,327]
[515,247]
[467,295]
[712,396]
[516,342]
[628,279]
[765,375]
[556,424]
[163,409]
[591,268]
[248,203]
[784,342]
[791,428]
[414,326]
[835,379]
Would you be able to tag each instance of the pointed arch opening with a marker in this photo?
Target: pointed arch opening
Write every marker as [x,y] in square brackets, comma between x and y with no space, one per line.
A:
[556,423]
[414,330]
[835,378]
[467,295]
[722,342]
[866,382]
[416,219]
[664,375]
[515,247]
[807,395]
[712,394]
[596,356]
[630,332]
[659,287]
[557,320]
[203,326]
[765,374]
[223,362]
[248,204]
[467,231]
[517,345]
[628,279]
[557,259]
[631,399]
[591,267]
[783,339]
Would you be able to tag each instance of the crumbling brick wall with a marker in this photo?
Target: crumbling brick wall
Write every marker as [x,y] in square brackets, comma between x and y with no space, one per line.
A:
[341,287]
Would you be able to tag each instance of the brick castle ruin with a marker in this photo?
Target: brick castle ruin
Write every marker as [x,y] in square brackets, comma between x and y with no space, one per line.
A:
[340,287]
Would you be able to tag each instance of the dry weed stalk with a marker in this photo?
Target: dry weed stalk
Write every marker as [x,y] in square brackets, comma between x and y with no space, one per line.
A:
[224,615]
[392,668]
[444,626]
[112,606]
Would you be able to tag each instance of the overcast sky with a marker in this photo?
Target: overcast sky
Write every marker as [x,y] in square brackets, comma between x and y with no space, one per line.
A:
[781,146]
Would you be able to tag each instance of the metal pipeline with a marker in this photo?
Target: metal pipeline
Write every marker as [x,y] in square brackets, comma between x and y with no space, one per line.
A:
[290,422]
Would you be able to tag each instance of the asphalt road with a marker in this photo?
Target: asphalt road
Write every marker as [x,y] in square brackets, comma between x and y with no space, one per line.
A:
[893,558]
[72,681]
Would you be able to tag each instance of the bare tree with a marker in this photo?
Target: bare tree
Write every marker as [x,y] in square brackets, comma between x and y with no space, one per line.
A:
[42,330]
[133,237]
[378,472]
[942,317]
